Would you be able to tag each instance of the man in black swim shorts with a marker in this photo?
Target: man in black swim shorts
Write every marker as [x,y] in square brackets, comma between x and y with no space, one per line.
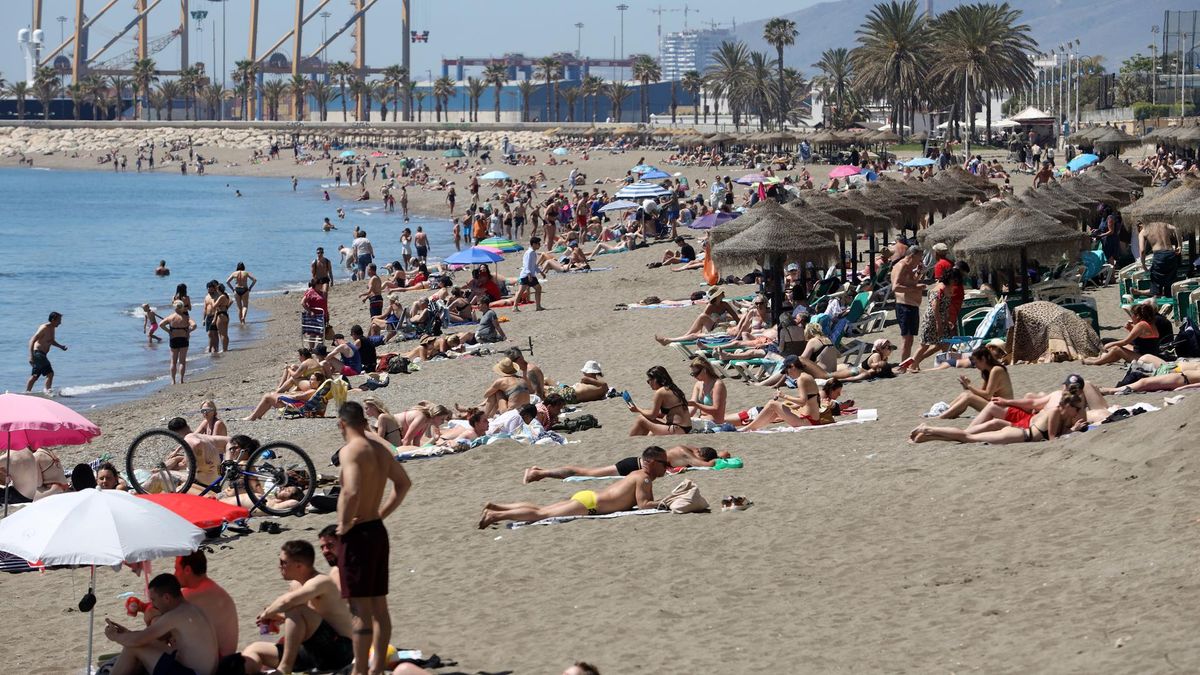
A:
[622,468]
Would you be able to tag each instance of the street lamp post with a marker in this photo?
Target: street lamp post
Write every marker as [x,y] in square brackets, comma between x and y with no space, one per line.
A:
[223,43]
[1182,38]
[578,39]
[1154,67]
[62,20]
[324,34]
[621,8]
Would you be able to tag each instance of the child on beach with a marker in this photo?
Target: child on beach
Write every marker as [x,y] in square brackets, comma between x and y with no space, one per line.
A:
[150,324]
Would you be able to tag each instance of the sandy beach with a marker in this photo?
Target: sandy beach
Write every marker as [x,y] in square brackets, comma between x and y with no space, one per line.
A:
[862,553]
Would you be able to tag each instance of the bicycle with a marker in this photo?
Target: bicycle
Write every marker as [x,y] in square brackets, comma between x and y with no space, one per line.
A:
[278,478]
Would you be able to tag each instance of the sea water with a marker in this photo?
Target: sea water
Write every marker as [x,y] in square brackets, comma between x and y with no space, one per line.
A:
[86,243]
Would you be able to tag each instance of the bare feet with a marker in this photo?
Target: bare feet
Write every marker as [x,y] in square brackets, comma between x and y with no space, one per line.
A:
[485,519]
[662,340]
[533,474]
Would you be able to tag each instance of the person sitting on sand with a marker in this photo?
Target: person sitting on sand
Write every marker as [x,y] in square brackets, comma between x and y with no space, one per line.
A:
[421,421]
[295,399]
[1021,425]
[634,491]
[714,311]
[795,411]
[1141,341]
[1179,377]
[572,259]
[685,254]
[34,475]
[489,324]
[314,620]
[297,375]
[385,424]
[207,595]
[680,456]
[590,387]
[668,411]
[180,641]
[510,390]
[709,393]
[996,384]
[107,478]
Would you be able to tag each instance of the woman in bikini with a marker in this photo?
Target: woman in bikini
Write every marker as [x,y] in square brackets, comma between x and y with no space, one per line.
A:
[242,282]
[212,425]
[297,375]
[423,419]
[1180,377]
[668,414]
[795,411]
[708,394]
[1141,341]
[221,306]
[276,400]
[1021,424]
[510,390]
[179,327]
[385,422]
[181,294]
[996,383]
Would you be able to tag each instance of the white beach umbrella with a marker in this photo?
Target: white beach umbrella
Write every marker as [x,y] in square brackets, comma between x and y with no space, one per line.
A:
[641,190]
[96,527]
[619,205]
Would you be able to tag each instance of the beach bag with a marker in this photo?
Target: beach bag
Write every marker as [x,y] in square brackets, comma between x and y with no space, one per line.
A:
[685,498]
[570,425]
[328,332]
[397,364]
[1187,342]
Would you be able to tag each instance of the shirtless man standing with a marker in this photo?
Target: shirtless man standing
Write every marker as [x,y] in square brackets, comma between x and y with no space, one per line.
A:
[181,628]
[217,606]
[322,268]
[633,491]
[205,449]
[374,293]
[39,352]
[906,284]
[316,620]
[1161,242]
[367,465]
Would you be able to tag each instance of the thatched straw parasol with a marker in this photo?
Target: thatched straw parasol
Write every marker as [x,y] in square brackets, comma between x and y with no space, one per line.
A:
[1115,166]
[1071,215]
[967,178]
[1179,207]
[1098,194]
[920,136]
[720,138]
[824,136]
[1111,182]
[1012,234]
[962,224]
[885,137]
[1116,139]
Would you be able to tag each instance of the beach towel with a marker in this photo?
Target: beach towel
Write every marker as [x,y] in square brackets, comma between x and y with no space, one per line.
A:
[861,419]
[584,271]
[566,519]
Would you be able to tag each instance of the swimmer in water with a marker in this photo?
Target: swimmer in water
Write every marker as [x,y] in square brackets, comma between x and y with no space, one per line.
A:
[341,213]
[328,225]
[237,193]
[162,270]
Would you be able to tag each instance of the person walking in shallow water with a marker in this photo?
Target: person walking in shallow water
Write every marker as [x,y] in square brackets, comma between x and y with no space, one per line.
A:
[242,282]
[39,352]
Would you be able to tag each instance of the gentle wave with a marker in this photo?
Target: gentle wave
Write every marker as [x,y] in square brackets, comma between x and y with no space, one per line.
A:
[105,386]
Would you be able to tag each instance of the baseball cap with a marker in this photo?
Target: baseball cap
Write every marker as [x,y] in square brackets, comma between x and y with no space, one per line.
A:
[1073,381]
[793,267]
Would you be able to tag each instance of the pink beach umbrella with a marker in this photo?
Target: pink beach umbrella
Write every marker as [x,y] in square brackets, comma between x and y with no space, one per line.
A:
[844,171]
[32,422]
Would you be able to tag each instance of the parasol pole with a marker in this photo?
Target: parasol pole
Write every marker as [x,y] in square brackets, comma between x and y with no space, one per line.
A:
[91,624]
[854,258]
[7,471]
[1024,275]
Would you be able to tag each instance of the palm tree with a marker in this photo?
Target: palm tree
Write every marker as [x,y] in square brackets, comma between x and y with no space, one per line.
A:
[645,71]
[273,91]
[144,74]
[617,93]
[409,88]
[382,92]
[214,96]
[394,77]
[570,95]
[727,76]
[243,73]
[780,33]
[298,85]
[119,84]
[189,80]
[526,88]
[158,101]
[321,94]
[443,89]
[496,75]
[46,86]
[692,84]
[591,87]
[20,91]
[836,75]
[892,55]
[361,91]
[419,97]
[475,89]
[341,71]
[548,68]
[169,90]
[759,87]
[97,92]
[979,49]
[76,91]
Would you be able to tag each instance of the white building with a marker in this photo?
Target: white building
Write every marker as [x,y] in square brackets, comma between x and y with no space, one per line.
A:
[689,50]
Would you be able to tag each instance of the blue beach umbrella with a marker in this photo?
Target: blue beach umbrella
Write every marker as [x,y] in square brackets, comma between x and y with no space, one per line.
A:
[474,256]
[1082,161]
[348,153]
[655,174]
[495,175]
[454,152]
[643,168]
[920,161]
[560,151]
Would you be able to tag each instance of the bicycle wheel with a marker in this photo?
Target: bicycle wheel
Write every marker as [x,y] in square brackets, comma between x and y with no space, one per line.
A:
[280,479]
[160,461]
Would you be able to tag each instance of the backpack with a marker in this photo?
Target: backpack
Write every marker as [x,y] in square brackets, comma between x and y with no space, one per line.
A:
[397,364]
[1187,341]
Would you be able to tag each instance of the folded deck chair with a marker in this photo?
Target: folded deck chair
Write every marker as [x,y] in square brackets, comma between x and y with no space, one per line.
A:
[994,324]
[313,407]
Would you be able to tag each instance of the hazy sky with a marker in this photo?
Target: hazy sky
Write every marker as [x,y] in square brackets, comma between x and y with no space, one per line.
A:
[457,27]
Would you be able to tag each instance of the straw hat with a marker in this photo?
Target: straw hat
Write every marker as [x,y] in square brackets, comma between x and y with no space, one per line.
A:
[591,368]
[714,293]
[505,367]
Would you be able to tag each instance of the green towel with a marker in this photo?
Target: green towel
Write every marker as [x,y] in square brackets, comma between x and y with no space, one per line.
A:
[731,463]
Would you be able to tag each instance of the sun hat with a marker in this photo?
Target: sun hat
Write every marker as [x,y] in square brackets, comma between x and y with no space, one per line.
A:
[881,343]
[591,368]
[940,247]
[714,293]
[505,367]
